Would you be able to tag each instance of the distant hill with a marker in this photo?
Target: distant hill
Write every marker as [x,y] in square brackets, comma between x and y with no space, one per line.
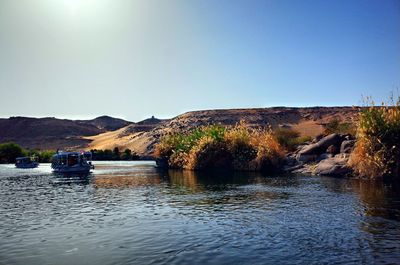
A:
[108,123]
[308,121]
[53,133]
[107,132]
[133,136]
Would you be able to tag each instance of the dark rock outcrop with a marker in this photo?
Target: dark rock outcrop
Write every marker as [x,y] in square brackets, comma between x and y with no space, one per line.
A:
[311,152]
[322,157]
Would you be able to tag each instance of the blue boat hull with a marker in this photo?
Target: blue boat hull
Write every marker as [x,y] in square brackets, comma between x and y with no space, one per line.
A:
[30,165]
[81,169]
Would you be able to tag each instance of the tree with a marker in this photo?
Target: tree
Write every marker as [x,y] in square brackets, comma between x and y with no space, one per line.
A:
[10,151]
[135,156]
[127,154]
[116,153]
[107,154]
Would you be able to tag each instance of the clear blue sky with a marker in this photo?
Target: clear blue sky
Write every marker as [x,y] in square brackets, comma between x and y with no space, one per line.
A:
[134,59]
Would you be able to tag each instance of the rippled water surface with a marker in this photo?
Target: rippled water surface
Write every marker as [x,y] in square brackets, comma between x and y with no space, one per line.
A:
[131,213]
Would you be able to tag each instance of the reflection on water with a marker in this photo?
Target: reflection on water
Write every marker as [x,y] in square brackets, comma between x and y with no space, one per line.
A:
[70,178]
[380,199]
[133,213]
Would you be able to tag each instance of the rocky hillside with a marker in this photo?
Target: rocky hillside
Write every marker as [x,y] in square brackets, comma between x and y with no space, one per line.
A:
[106,132]
[52,133]
[107,123]
[308,121]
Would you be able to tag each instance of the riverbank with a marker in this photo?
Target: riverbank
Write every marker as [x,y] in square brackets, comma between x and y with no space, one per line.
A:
[367,147]
[328,155]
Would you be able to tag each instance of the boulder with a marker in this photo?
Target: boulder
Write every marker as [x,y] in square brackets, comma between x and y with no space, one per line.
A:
[347,146]
[304,158]
[324,156]
[292,168]
[332,149]
[312,151]
[318,138]
[334,166]
[290,161]
[304,169]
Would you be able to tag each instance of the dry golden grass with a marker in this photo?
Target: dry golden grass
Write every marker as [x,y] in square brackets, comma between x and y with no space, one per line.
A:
[376,153]
[269,152]
[215,147]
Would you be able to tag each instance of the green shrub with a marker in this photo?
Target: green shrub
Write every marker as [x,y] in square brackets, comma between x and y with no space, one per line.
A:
[209,153]
[290,139]
[335,126]
[10,151]
[217,147]
[128,154]
[184,142]
[44,156]
[115,154]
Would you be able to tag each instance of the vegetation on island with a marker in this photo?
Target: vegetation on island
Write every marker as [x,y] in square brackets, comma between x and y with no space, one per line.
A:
[377,152]
[10,151]
[115,154]
[218,147]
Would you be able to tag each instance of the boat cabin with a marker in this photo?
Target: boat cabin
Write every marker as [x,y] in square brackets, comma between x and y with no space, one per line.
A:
[72,162]
[26,162]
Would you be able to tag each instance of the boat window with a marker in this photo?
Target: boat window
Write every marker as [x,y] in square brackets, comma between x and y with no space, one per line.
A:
[73,160]
[63,160]
[23,160]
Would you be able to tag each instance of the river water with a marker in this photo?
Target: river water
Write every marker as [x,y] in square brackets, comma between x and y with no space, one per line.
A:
[132,213]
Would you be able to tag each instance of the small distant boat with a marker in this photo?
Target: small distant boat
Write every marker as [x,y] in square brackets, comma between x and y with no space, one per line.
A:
[72,162]
[26,162]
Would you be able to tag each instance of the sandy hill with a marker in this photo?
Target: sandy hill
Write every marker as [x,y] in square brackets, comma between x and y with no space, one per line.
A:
[52,133]
[308,121]
[139,137]
[107,132]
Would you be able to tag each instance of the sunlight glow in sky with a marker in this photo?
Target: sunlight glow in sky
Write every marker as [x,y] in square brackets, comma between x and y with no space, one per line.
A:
[133,59]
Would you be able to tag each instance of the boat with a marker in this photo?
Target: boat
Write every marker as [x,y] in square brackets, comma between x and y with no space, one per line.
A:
[72,162]
[26,162]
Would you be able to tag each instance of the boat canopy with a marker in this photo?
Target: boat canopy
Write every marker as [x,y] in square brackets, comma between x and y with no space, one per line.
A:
[71,158]
[72,162]
[25,159]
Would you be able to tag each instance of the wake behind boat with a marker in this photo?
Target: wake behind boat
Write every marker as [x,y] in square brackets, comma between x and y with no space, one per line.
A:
[72,162]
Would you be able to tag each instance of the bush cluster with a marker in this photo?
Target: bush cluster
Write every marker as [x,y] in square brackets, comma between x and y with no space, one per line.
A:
[218,147]
[377,153]
[10,151]
[115,154]
[336,126]
[290,139]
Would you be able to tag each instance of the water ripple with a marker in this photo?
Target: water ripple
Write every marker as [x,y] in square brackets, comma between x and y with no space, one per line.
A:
[132,213]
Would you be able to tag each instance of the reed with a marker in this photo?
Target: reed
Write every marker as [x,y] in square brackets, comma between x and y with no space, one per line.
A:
[377,153]
[216,147]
